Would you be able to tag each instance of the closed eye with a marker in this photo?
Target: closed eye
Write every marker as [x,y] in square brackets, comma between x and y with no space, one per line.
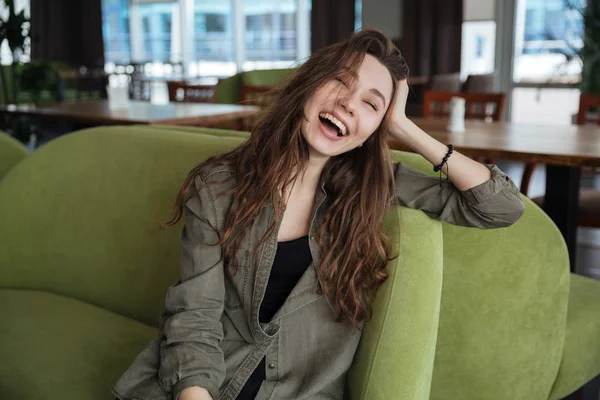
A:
[372,105]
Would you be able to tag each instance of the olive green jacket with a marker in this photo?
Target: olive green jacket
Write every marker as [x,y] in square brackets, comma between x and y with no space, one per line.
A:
[210,334]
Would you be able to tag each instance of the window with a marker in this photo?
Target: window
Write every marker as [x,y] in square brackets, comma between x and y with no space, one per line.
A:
[203,36]
[115,30]
[270,37]
[213,48]
[357,14]
[548,36]
[157,31]
[546,69]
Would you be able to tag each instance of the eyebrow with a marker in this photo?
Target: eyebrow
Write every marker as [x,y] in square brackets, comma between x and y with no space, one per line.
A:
[378,93]
[373,90]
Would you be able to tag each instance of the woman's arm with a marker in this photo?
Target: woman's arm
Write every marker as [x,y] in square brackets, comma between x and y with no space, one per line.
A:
[194,393]
[464,172]
[191,327]
[478,195]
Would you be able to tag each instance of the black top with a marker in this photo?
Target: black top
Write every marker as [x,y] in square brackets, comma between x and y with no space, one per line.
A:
[291,260]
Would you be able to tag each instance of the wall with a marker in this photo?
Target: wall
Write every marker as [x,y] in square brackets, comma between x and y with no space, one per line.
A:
[385,15]
[479,10]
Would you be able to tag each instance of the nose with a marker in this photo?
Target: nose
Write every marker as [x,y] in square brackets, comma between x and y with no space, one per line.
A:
[346,100]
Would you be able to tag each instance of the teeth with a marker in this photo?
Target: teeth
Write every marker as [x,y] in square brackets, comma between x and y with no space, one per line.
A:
[336,122]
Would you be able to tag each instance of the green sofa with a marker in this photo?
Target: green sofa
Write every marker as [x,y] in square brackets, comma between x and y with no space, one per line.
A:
[11,152]
[466,314]
[229,90]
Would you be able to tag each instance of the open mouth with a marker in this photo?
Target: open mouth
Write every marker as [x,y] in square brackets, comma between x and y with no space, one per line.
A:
[333,125]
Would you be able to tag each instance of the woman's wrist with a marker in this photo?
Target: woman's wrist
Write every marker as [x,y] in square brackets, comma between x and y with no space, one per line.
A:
[400,128]
[194,393]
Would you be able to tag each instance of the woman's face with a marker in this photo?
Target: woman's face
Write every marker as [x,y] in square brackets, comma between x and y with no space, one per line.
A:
[343,113]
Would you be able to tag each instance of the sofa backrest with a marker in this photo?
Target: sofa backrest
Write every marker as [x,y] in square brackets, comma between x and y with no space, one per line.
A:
[11,152]
[81,215]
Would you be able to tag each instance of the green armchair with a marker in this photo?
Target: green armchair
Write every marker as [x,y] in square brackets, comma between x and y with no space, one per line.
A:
[465,313]
[514,323]
[229,90]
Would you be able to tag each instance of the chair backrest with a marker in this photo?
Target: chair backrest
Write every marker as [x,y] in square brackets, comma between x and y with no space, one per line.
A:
[140,89]
[479,84]
[445,83]
[256,95]
[587,102]
[260,96]
[11,152]
[180,92]
[483,106]
[230,89]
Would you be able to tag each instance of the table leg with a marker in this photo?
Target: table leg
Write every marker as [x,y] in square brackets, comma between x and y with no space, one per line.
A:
[561,203]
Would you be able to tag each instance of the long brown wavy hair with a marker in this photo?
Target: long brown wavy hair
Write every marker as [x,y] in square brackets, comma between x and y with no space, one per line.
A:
[359,182]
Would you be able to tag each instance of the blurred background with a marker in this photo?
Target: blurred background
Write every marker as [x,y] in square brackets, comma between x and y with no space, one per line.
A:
[532,47]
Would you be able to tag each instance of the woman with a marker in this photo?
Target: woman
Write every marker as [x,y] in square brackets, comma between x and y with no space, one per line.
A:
[283,248]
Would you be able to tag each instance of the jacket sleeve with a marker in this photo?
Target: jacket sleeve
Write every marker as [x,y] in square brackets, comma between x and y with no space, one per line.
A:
[495,203]
[191,329]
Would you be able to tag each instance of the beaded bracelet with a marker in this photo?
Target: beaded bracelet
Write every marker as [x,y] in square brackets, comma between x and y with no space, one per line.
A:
[437,168]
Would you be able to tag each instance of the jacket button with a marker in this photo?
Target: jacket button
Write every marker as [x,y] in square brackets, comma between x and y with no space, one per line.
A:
[271,366]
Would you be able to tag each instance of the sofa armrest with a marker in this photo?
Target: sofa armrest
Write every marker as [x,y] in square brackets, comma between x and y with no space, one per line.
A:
[395,357]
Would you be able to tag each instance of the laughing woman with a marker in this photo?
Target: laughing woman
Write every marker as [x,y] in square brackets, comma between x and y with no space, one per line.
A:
[283,248]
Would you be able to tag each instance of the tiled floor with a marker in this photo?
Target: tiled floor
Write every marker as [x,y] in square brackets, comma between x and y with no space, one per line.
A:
[588,247]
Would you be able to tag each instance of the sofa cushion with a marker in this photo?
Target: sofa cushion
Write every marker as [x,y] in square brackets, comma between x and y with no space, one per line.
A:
[581,356]
[60,348]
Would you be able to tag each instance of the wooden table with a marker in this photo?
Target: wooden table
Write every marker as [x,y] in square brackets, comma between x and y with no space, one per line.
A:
[418,80]
[99,112]
[563,148]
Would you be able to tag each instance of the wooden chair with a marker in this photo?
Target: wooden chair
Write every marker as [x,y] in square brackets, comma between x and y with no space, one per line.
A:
[588,214]
[483,106]
[260,96]
[479,84]
[445,83]
[180,92]
[587,102]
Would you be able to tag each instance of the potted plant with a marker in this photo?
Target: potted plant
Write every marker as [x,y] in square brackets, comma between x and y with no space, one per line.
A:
[38,76]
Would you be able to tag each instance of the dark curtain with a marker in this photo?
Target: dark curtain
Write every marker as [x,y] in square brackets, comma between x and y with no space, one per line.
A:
[331,21]
[431,36]
[67,30]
